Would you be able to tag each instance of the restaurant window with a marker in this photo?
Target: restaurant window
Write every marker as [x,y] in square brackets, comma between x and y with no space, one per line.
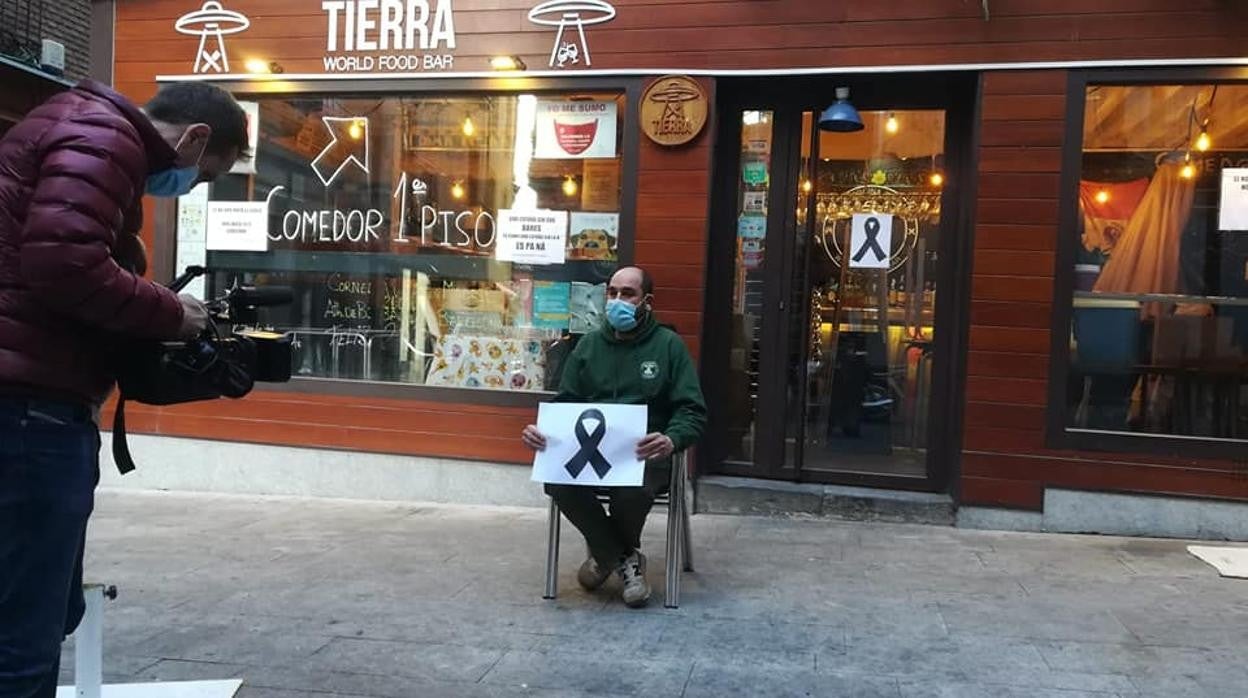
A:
[1159,330]
[450,241]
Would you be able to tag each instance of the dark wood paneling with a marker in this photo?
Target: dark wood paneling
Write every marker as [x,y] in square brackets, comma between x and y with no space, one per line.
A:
[1022,211]
[989,262]
[1008,494]
[1000,236]
[1013,365]
[1020,185]
[1014,391]
[1011,288]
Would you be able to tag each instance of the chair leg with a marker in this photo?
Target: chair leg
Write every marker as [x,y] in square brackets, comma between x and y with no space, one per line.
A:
[675,554]
[552,552]
[686,547]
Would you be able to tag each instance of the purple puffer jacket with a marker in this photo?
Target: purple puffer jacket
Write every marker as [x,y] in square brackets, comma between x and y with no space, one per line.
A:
[72,176]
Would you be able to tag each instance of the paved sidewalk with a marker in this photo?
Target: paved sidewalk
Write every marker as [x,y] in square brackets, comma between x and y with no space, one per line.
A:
[314,598]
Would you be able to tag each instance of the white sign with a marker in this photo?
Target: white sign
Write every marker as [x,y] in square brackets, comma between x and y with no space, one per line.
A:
[532,237]
[590,444]
[238,226]
[191,236]
[211,23]
[571,17]
[870,241]
[575,130]
[1233,213]
[248,166]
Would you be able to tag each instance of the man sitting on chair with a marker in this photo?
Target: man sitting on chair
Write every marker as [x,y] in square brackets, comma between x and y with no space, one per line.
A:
[631,360]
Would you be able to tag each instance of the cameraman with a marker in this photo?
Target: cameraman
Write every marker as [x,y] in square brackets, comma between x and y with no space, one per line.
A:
[72,177]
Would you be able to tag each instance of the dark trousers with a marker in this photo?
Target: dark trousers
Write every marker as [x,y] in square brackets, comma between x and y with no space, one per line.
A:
[614,533]
[49,467]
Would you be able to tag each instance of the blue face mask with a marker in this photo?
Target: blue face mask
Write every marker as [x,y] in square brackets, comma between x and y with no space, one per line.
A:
[621,314]
[173,182]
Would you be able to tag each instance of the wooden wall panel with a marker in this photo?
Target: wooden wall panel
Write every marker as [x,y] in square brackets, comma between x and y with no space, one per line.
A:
[732,34]
[1005,461]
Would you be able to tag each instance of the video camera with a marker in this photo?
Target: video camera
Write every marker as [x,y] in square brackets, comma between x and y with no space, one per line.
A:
[208,367]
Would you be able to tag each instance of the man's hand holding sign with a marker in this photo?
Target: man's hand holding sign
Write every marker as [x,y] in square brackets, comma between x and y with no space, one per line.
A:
[628,400]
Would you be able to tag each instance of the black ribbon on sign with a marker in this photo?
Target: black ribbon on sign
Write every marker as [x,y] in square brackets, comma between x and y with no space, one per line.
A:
[872,228]
[589,453]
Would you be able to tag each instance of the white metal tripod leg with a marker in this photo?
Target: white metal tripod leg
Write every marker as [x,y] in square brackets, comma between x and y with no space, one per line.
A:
[89,645]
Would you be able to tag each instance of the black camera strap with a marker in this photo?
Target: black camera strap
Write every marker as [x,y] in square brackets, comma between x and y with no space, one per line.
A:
[121,447]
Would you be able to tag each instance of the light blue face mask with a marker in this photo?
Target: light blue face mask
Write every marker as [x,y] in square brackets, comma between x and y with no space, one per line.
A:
[174,182]
[621,314]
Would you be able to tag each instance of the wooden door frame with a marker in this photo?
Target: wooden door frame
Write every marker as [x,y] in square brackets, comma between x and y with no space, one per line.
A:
[958,94]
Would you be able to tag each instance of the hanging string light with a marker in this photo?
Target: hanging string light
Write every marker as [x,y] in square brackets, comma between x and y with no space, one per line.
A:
[570,186]
[891,125]
[458,191]
[469,128]
[1189,170]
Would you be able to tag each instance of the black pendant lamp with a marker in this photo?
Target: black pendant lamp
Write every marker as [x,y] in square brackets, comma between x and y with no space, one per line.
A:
[841,117]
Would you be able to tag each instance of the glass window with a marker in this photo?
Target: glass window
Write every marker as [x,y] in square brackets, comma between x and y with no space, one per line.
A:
[1159,338]
[457,241]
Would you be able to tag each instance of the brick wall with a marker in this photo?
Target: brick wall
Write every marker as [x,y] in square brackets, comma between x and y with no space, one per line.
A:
[69,22]
[66,21]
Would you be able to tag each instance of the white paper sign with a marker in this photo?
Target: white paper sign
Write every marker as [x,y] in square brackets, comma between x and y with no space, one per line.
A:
[590,444]
[575,130]
[238,226]
[531,237]
[192,231]
[248,166]
[1233,213]
[870,241]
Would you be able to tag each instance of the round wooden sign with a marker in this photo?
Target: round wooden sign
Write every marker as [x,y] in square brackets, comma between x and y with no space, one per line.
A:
[673,110]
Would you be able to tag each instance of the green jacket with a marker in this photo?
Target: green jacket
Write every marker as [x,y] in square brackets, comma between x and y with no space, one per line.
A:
[649,367]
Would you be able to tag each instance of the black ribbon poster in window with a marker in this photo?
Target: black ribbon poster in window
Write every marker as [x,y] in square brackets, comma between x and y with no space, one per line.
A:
[872,244]
[589,441]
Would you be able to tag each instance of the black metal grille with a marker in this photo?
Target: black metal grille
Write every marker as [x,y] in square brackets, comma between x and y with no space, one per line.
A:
[21,30]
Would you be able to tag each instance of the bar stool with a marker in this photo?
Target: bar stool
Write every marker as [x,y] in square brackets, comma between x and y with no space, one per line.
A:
[679,542]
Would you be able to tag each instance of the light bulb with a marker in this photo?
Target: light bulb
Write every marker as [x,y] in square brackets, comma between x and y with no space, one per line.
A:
[356,129]
[469,127]
[257,66]
[1189,170]
[891,125]
[1203,142]
[1102,196]
[457,190]
[807,186]
[937,179]
[569,186]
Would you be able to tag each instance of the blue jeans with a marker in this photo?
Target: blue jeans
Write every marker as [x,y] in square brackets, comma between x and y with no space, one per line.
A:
[49,467]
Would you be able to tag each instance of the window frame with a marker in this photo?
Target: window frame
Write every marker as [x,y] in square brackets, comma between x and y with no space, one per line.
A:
[1058,434]
[165,217]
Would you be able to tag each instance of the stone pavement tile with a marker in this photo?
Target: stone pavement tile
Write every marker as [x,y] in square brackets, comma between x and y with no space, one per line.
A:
[925,689]
[240,641]
[410,659]
[748,637]
[182,670]
[1029,618]
[1178,623]
[1144,661]
[595,673]
[1173,686]
[118,668]
[718,680]
[306,680]
[965,658]
[251,692]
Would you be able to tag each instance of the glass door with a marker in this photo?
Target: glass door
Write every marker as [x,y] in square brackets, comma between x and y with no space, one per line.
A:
[838,283]
[869,207]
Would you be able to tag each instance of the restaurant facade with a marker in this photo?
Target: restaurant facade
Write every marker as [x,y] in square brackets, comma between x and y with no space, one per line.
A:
[996,249]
